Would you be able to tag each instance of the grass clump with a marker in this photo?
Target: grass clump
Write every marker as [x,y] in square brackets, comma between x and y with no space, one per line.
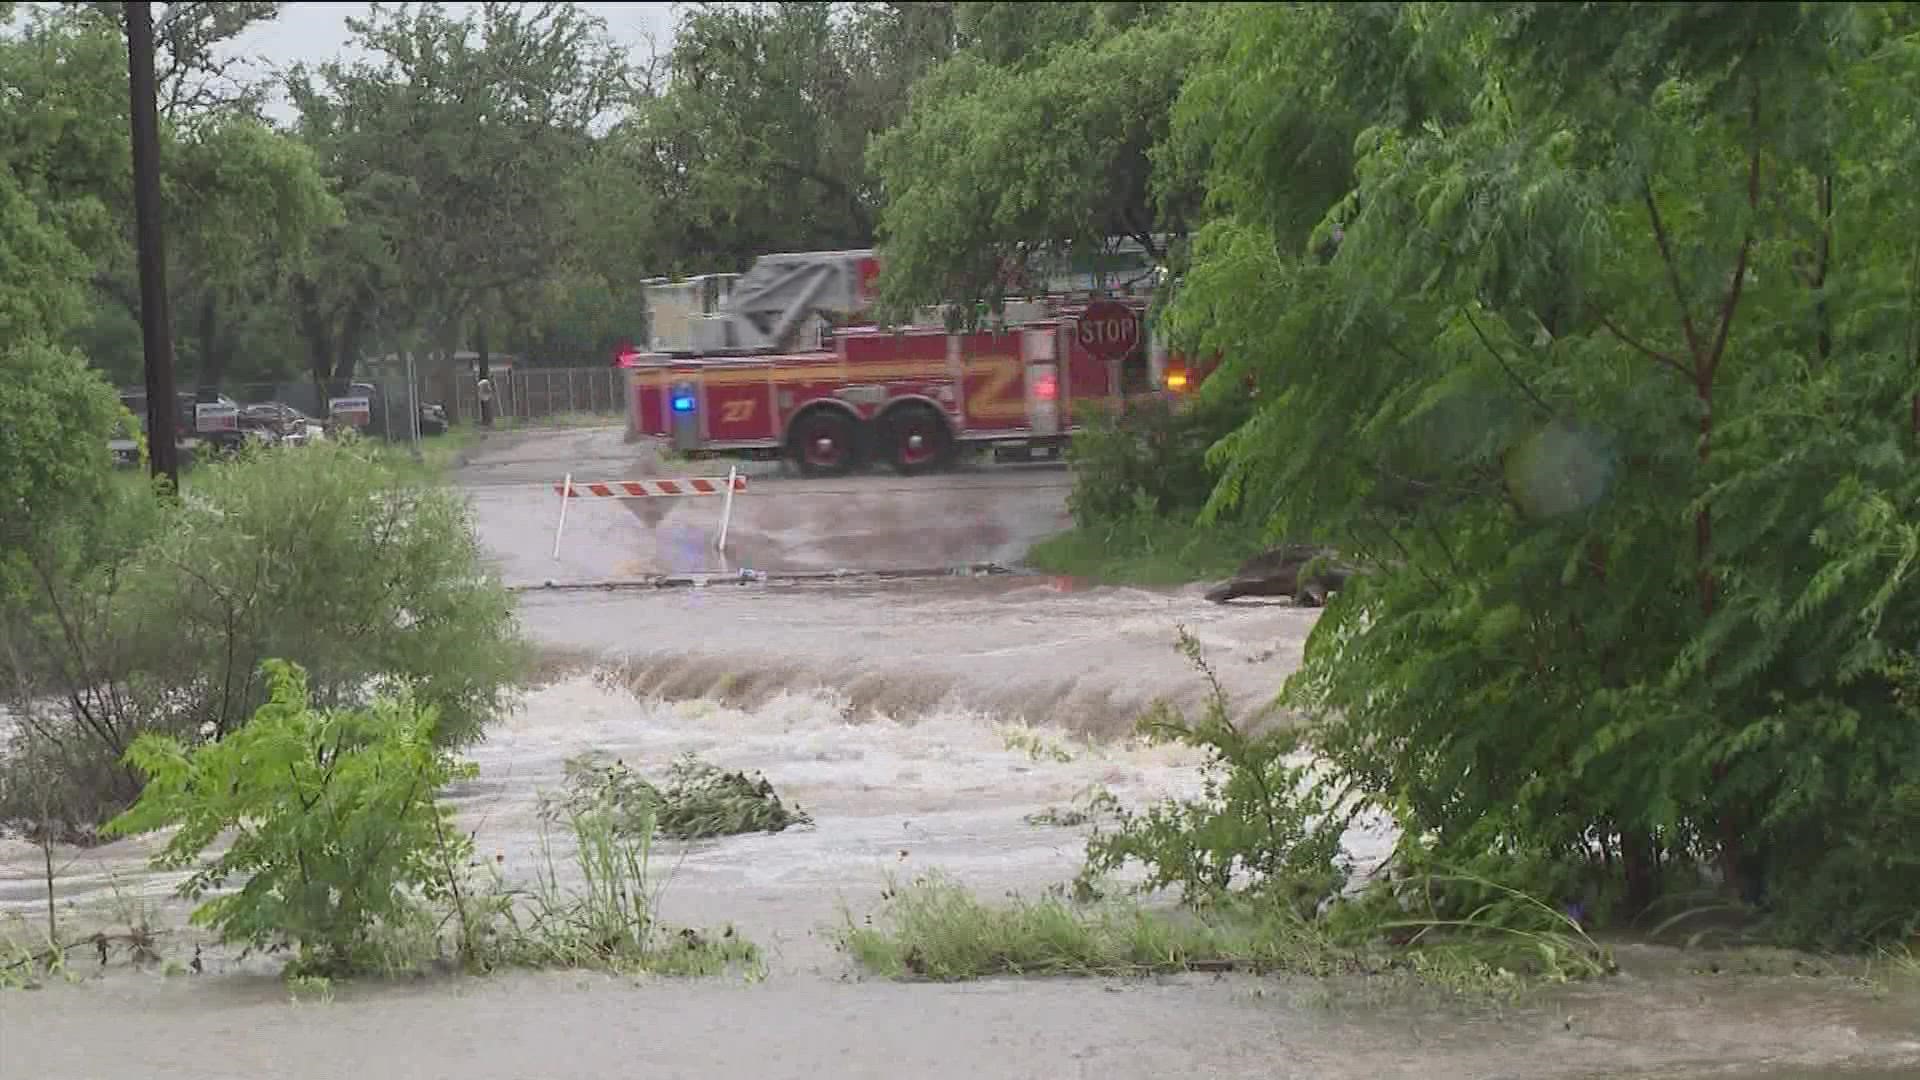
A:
[699,800]
[1146,551]
[936,929]
[609,921]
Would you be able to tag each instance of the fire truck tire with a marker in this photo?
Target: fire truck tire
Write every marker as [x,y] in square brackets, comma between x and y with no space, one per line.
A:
[825,443]
[916,440]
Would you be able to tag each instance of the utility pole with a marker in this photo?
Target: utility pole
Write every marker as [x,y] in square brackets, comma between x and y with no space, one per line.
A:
[156,336]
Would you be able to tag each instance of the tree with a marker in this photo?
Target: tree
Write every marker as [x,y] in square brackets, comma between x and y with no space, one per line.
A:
[244,201]
[449,148]
[1602,343]
[1038,136]
[757,139]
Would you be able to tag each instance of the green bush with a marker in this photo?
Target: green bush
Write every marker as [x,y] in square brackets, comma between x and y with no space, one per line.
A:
[1149,458]
[1262,825]
[55,419]
[158,616]
[332,813]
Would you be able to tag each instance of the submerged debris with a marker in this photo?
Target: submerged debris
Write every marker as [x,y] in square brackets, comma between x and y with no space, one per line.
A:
[699,800]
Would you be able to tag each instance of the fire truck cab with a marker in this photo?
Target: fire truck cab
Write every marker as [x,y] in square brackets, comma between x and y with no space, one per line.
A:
[777,362]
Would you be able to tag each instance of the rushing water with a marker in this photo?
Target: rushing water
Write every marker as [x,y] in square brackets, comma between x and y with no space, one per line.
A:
[905,719]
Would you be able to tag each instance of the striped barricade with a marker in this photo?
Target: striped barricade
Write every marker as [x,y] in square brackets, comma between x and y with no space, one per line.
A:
[652,489]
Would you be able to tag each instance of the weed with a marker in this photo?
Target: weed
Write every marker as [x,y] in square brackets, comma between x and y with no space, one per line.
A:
[699,800]
[1263,820]
[309,988]
[610,921]
[1092,803]
[1036,746]
[934,929]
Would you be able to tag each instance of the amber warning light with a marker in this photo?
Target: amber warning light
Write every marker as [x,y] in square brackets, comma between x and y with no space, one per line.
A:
[1176,380]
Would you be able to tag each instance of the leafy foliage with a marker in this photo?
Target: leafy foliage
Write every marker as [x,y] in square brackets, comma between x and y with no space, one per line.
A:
[160,617]
[335,828]
[700,800]
[52,449]
[1602,343]
[1264,823]
[1148,457]
[1037,135]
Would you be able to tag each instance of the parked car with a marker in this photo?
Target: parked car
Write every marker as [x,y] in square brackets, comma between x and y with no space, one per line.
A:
[286,423]
[433,418]
[185,428]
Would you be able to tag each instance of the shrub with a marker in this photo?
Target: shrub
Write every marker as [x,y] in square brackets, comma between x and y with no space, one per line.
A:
[700,800]
[1149,458]
[159,615]
[54,463]
[1263,823]
[334,824]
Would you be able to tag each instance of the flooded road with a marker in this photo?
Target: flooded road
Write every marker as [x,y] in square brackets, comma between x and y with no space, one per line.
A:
[874,521]
[921,723]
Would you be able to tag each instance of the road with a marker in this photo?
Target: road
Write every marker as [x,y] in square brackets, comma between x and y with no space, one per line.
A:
[887,709]
[875,521]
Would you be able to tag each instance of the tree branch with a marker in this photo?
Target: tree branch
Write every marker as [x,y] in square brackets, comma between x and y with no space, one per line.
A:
[1512,375]
[1673,268]
[1732,303]
[1652,353]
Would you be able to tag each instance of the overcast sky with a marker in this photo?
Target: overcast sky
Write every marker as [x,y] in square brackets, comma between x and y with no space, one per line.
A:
[312,30]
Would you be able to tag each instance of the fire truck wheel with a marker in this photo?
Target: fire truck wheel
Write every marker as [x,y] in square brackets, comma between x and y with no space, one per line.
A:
[916,440]
[823,443]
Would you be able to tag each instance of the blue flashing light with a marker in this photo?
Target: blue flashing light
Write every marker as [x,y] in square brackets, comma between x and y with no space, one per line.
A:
[683,403]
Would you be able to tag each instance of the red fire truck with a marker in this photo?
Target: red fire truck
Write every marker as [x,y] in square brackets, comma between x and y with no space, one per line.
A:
[778,362]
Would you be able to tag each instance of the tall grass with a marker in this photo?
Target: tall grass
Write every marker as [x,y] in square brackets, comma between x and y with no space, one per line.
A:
[1146,551]
[935,929]
[609,921]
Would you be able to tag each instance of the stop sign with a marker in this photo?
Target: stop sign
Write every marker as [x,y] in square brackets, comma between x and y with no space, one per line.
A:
[1108,329]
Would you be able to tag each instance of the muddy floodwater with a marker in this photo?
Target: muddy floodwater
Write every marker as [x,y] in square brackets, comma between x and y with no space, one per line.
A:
[921,723]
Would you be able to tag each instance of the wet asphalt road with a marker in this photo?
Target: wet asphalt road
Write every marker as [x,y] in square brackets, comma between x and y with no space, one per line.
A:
[874,520]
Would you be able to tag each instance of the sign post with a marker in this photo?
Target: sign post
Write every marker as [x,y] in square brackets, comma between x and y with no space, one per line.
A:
[209,416]
[357,411]
[1108,329]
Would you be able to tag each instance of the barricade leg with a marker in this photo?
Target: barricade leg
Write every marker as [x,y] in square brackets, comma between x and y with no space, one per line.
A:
[566,496]
[726,510]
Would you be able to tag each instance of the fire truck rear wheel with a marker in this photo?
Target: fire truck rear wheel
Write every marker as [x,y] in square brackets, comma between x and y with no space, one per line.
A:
[916,440]
[823,442]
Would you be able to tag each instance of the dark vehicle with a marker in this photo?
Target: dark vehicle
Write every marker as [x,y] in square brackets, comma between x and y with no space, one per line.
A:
[433,418]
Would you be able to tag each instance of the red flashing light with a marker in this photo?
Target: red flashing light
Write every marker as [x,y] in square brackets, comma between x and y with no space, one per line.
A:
[1046,387]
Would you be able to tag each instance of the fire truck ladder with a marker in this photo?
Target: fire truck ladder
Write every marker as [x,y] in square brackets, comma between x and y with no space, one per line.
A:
[771,299]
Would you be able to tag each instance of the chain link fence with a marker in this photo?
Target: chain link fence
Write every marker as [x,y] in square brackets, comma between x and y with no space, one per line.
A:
[535,395]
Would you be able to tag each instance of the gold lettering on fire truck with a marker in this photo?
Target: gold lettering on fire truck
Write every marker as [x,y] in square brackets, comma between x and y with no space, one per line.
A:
[998,395]
[737,411]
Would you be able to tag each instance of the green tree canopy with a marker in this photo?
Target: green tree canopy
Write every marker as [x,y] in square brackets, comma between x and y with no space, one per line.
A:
[1040,133]
[1597,326]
